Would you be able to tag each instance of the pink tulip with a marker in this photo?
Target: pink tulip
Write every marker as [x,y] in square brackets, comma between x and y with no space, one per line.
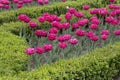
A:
[54,17]
[112,1]
[58,19]
[41,19]
[114,22]
[117,12]
[66,25]
[113,6]
[94,11]
[93,17]
[41,2]
[86,21]
[116,7]
[1,5]
[104,37]
[60,26]
[41,33]
[6,6]
[48,47]
[109,19]
[39,50]
[73,41]
[24,17]
[25,1]
[27,20]
[49,18]
[68,16]
[62,45]
[67,37]
[45,14]
[103,11]
[15,1]
[112,13]
[90,34]
[78,14]
[30,51]
[72,10]
[105,32]
[6,2]
[94,38]
[52,36]
[29,1]
[19,5]
[82,22]
[46,1]
[117,32]
[53,30]
[20,2]
[86,7]
[61,39]
[95,21]
[21,17]
[93,26]
[75,26]
[33,24]
[80,32]
[63,0]
[55,24]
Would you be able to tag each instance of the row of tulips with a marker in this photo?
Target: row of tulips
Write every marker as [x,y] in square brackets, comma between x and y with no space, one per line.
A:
[66,40]
[7,4]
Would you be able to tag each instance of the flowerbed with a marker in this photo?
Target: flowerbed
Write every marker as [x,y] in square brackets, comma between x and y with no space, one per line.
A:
[78,37]
[53,36]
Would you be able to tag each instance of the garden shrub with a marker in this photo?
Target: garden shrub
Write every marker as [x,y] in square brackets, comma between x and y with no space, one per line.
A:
[101,64]
[12,58]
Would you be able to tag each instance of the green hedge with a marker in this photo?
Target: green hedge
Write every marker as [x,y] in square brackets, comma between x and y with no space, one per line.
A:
[12,57]
[56,8]
[101,64]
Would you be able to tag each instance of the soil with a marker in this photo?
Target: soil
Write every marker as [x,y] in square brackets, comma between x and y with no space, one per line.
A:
[118,78]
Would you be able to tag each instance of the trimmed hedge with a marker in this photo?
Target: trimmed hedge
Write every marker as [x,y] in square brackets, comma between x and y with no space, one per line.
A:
[56,8]
[12,57]
[101,64]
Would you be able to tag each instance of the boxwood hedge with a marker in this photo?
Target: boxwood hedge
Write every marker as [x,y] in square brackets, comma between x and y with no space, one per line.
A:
[12,58]
[101,64]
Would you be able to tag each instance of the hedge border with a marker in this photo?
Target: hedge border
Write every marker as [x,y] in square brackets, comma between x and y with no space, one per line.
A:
[12,57]
[101,64]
